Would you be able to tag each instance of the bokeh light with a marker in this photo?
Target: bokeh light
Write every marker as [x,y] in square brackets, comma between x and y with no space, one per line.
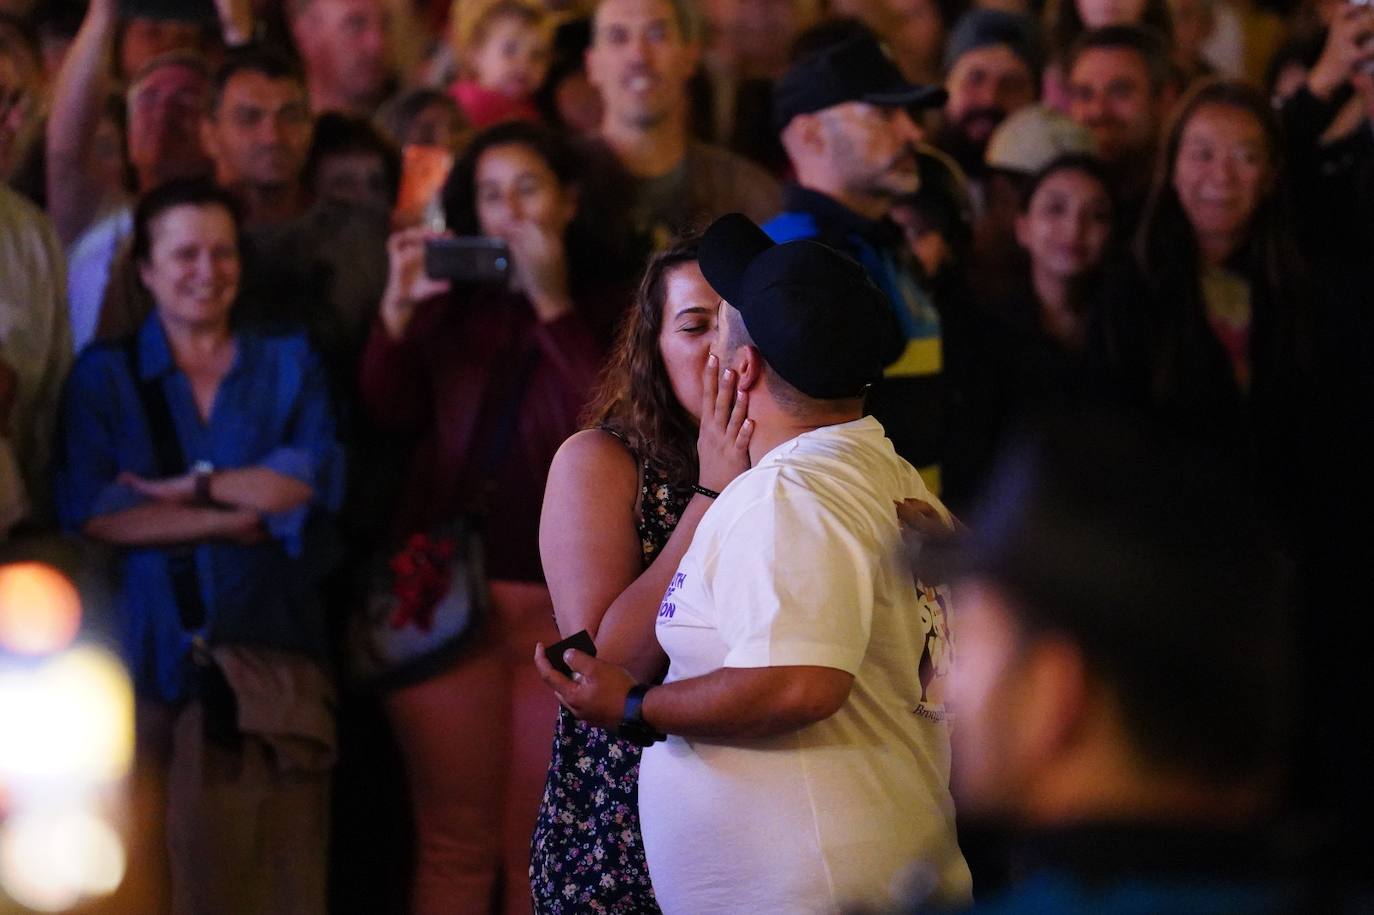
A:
[49,860]
[67,722]
[40,610]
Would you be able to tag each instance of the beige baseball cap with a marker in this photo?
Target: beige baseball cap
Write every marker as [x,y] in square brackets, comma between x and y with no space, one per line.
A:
[1031,138]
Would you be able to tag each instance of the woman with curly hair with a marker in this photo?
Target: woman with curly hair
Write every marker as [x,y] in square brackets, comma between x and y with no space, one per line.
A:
[635,480]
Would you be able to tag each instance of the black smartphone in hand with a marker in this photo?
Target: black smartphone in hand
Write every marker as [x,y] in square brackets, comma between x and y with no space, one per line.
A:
[467,259]
[582,641]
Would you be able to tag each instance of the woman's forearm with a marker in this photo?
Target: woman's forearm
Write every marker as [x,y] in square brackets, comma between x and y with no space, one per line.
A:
[166,523]
[259,489]
[78,97]
[626,633]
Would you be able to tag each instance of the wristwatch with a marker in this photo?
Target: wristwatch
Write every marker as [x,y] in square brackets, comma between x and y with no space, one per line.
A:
[633,727]
[203,471]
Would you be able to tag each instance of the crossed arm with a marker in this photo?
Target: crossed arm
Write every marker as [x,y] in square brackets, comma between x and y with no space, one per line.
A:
[242,496]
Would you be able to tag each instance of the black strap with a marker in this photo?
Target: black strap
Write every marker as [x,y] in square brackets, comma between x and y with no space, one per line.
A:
[171,462]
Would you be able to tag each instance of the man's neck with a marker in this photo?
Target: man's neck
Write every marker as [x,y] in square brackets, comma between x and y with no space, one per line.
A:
[1133,172]
[869,206]
[325,97]
[772,431]
[268,204]
[647,151]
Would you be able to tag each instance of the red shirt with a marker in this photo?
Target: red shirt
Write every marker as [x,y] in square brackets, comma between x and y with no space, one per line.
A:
[454,371]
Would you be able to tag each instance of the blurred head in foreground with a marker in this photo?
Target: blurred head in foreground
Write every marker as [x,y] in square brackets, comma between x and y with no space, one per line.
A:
[1122,635]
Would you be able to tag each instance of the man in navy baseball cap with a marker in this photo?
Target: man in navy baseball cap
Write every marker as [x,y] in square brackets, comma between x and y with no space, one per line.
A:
[812,313]
[848,122]
[857,69]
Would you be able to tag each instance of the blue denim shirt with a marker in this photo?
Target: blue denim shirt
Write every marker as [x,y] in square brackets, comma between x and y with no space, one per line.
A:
[271,410]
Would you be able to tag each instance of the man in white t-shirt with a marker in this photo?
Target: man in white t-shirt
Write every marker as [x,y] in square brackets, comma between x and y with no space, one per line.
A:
[809,762]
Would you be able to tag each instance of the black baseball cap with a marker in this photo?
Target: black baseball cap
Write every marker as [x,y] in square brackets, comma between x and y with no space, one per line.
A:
[813,312]
[855,70]
[981,28]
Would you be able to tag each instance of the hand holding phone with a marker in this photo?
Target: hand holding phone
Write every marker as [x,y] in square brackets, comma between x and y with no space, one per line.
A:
[406,283]
[467,259]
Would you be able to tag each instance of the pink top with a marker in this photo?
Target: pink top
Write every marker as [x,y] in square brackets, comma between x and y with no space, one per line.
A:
[484,107]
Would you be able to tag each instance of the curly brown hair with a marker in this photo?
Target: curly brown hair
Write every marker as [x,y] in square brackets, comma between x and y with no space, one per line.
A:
[634,397]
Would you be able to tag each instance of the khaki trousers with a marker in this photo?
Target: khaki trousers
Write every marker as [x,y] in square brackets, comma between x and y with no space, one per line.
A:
[241,836]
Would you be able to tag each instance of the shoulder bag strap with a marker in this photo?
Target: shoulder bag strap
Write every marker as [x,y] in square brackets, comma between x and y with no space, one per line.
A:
[171,461]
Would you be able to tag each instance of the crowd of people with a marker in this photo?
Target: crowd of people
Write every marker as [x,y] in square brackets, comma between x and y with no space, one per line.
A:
[709,319]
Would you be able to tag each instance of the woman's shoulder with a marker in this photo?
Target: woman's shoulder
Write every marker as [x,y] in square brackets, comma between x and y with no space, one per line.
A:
[100,359]
[597,453]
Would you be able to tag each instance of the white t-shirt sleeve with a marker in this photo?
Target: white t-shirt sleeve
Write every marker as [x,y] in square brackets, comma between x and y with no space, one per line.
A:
[793,586]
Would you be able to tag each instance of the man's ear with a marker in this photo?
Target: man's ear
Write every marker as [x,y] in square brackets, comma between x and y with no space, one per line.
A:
[806,133]
[748,364]
[1055,692]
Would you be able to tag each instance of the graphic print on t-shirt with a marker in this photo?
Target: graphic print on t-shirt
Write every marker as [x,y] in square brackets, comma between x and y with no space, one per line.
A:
[937,653]
[666,607]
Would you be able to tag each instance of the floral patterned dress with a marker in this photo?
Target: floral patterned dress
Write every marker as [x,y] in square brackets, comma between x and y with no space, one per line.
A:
[587,854]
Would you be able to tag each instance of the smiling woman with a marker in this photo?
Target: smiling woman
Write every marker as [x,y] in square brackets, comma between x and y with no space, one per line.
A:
[1209,321]
[207,457]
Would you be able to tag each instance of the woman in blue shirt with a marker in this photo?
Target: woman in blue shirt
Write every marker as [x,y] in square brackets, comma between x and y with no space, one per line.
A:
[207,456]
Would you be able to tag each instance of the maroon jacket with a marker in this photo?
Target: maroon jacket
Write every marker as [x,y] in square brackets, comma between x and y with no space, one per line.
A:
[448,380]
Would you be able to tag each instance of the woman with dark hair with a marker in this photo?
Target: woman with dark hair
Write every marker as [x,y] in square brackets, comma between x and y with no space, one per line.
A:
[468,370]
[1217,321]
[665,433]
[1035,338]
[207,456]
[1064,229]
[1206,324]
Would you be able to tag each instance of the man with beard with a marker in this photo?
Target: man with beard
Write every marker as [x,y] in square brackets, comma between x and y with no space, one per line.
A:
[258,130]
[1121,89]
[992,66]
[319,266]
[845,116]
[346,48]
[642,55]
